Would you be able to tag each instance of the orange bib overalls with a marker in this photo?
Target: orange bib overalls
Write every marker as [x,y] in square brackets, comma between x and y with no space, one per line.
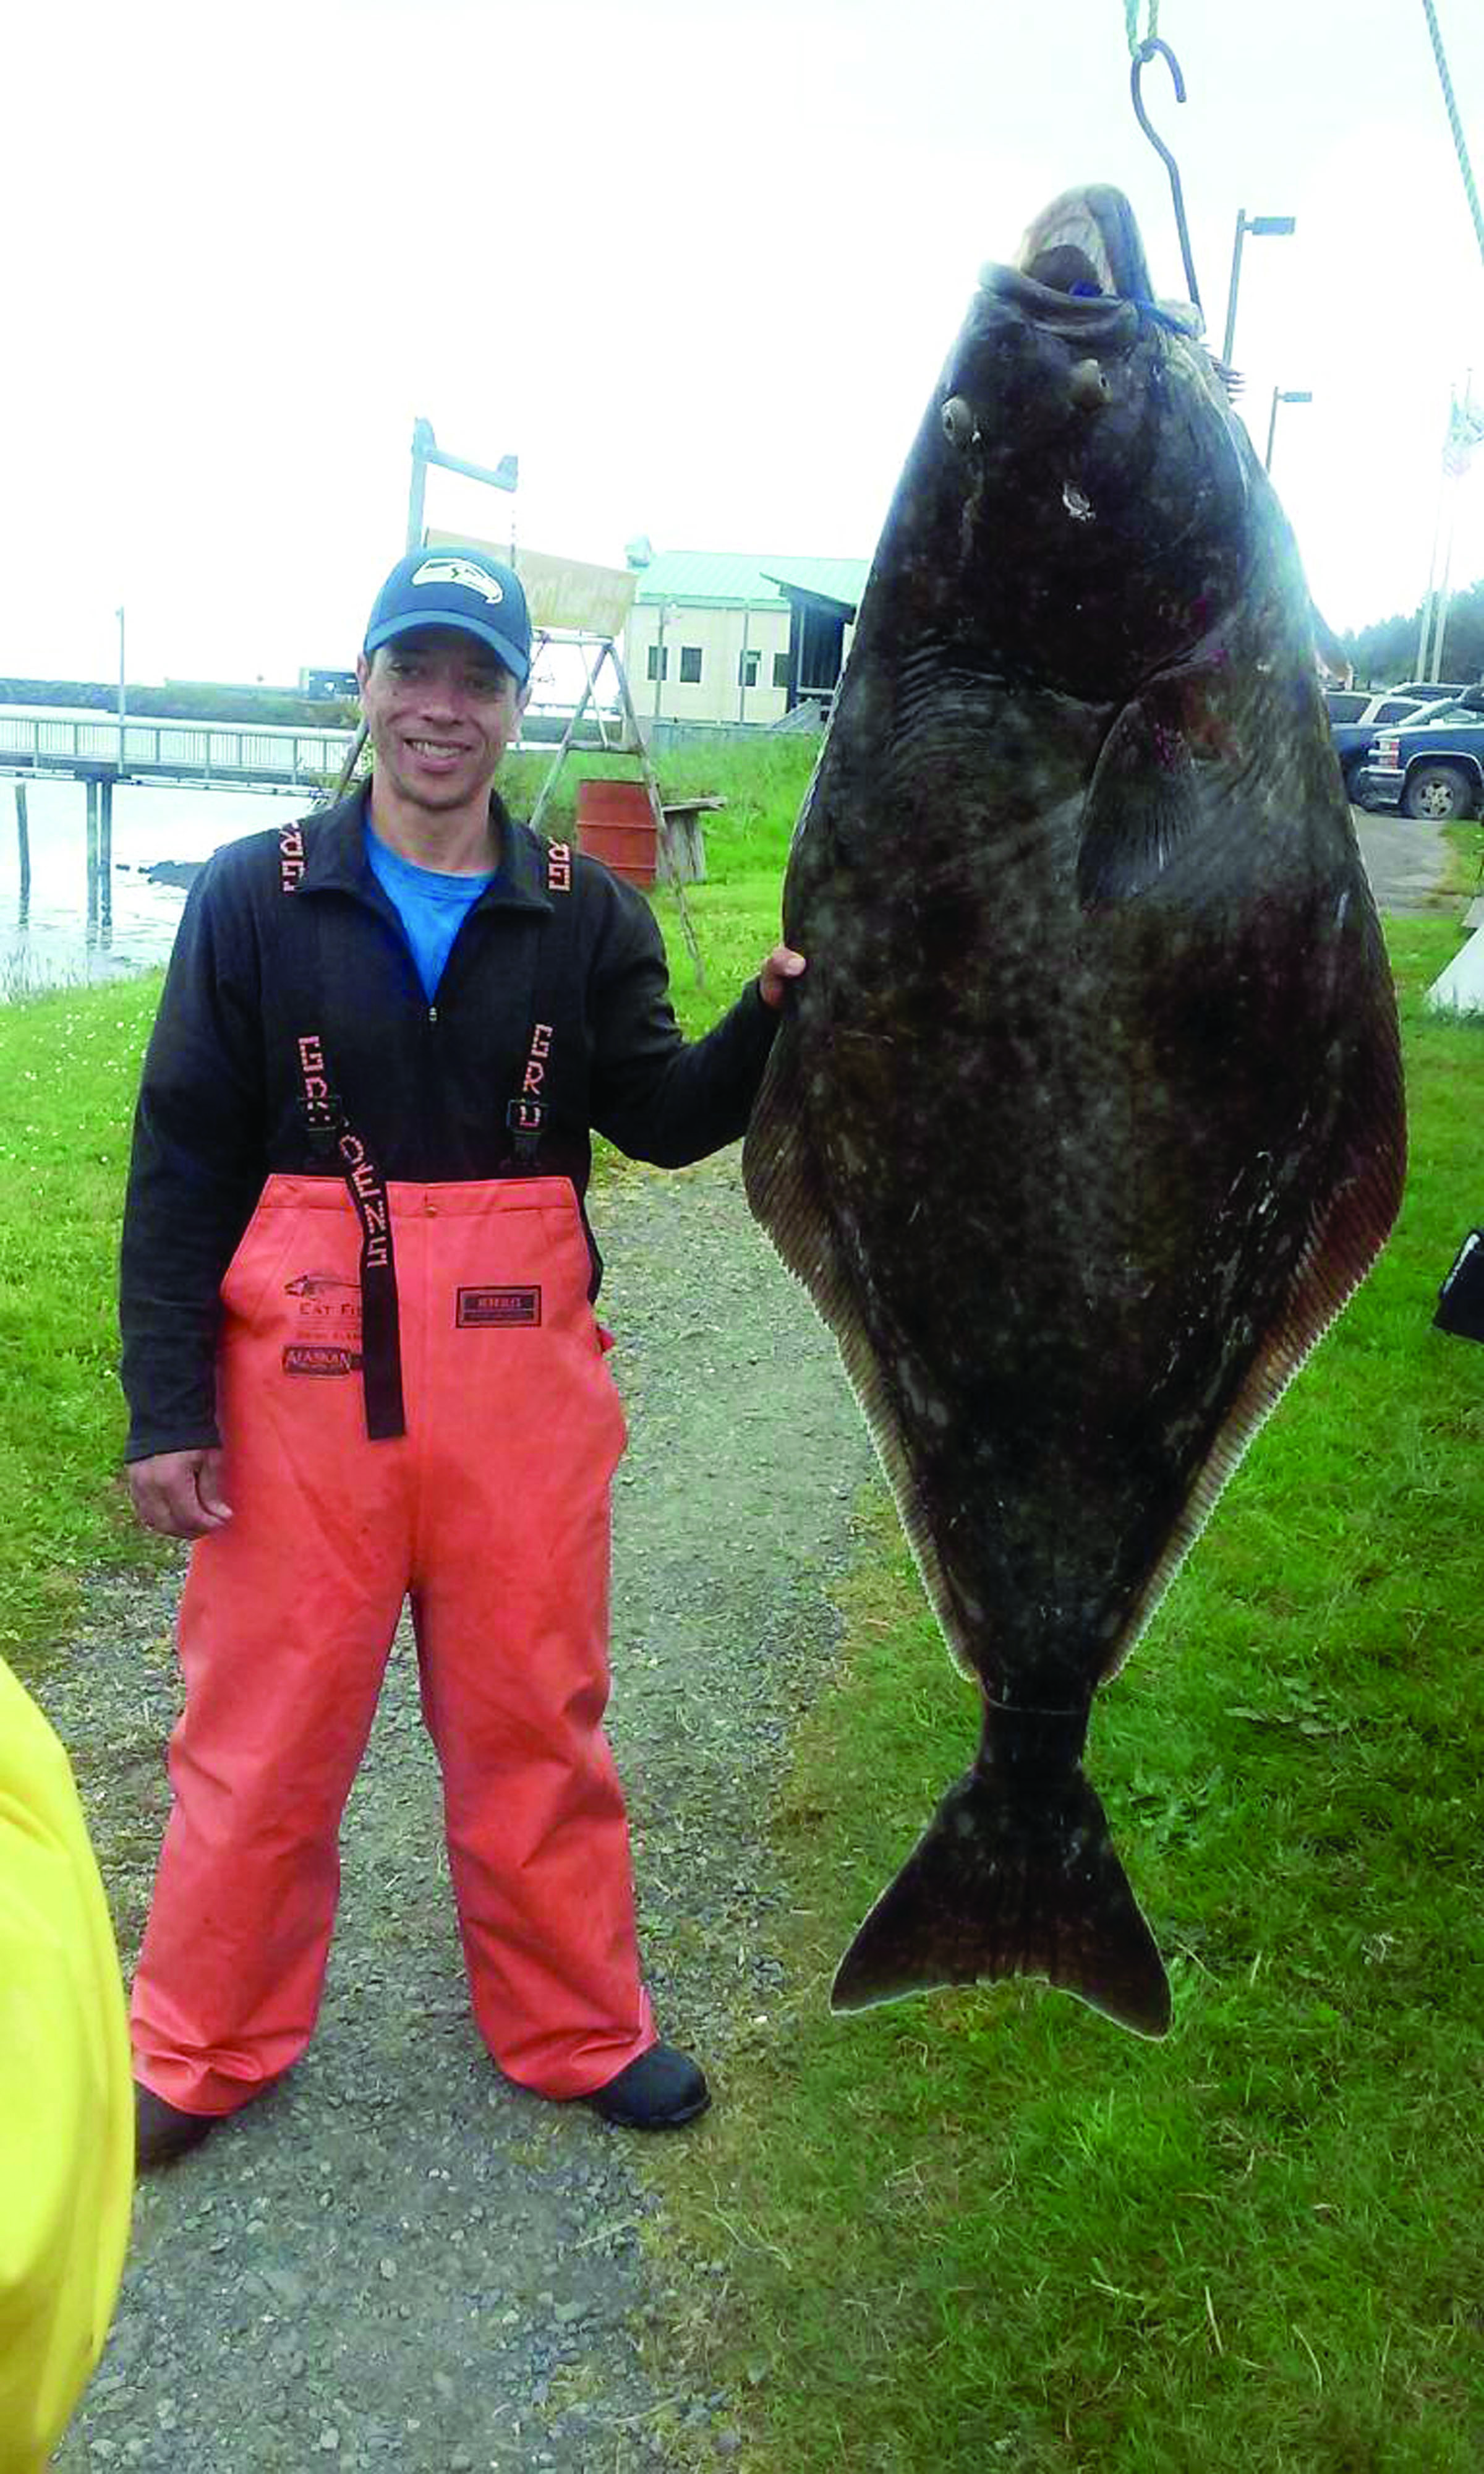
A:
[490,1511]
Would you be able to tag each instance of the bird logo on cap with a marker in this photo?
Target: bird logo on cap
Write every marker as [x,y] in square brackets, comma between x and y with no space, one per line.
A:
[460,571]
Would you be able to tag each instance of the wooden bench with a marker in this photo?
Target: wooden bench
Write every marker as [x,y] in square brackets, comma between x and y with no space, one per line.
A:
[686,838]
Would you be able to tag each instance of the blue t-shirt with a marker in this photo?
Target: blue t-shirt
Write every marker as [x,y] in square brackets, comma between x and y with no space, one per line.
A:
[430,906]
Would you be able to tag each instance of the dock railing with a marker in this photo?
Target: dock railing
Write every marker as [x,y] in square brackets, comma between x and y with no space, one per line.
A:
[235,753]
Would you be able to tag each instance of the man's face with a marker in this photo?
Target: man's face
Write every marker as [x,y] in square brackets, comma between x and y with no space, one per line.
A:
[441,711]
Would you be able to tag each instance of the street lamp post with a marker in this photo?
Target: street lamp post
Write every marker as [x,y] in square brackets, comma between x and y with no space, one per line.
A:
[105,802]
[1282,395]
[1262,226]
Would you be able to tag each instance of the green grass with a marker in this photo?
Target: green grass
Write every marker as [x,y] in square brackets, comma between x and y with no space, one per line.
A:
[1465,874]
[989,2229]
[68,1066]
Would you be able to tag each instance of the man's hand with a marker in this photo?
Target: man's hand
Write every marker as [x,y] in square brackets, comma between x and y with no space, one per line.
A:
[180,1492]
[781,965]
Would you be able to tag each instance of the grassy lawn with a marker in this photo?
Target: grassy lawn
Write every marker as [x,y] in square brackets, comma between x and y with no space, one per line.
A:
[989,2229]
[68,1066]
[1465,875]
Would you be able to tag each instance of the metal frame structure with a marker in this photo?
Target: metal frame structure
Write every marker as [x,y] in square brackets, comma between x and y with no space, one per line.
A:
[631,744]
[426,450]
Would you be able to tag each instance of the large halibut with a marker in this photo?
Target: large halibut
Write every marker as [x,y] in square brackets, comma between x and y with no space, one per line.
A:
[1087,1116]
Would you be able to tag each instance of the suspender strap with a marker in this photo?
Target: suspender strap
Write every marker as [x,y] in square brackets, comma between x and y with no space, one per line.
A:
[332,1138]
[528,1112]
[381,1353]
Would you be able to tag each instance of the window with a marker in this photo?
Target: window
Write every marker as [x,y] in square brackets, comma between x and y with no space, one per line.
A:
[781,669]
[746,669]
[659,668]
[690,666]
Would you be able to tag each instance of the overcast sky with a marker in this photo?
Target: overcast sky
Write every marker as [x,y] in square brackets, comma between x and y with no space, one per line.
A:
[697,262]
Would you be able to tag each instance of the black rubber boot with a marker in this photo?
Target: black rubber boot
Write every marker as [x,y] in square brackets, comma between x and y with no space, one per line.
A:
[162,2132]
[659,2091]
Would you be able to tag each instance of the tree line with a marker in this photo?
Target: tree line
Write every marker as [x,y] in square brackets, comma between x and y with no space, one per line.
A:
[1386,650]
[189,700]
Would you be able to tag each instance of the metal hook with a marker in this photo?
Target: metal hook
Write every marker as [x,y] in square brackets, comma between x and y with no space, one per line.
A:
[1144,54]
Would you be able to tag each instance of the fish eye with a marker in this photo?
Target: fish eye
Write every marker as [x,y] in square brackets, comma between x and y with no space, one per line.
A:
[959,426]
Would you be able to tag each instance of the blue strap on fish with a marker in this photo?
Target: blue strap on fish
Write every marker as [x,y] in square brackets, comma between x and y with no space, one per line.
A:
[1154,313]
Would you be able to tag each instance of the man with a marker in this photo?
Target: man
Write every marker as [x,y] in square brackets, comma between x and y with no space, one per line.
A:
[362,1365]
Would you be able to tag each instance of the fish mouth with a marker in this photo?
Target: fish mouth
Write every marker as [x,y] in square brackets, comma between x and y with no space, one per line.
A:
[1082,273]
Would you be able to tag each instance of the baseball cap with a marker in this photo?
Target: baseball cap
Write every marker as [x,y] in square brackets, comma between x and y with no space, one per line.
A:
[458,586]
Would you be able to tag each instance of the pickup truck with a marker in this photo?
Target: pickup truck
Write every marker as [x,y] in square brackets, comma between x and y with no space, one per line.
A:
[1356,717]
[1430,768]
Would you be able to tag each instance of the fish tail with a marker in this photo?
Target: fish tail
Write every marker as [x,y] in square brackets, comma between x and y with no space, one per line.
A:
[999,1886]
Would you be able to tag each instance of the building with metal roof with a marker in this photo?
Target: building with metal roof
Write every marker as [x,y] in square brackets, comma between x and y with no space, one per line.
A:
[728,636]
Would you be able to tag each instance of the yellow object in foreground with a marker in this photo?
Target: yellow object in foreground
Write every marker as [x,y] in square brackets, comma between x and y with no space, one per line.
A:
[66,2108]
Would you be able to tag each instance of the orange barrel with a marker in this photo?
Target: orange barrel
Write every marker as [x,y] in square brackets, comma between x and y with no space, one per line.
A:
[616,823]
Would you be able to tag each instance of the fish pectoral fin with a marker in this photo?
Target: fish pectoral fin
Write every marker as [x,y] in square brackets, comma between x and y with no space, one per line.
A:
[998,1886]
[1160,779]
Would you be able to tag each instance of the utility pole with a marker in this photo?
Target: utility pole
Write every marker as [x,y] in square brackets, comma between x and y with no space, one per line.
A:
[1464,432]
[666,611]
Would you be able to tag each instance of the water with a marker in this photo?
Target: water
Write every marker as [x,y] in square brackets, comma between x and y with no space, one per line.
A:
[54,943]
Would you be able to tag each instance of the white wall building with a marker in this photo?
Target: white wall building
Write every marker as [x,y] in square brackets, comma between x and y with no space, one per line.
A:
[718,636]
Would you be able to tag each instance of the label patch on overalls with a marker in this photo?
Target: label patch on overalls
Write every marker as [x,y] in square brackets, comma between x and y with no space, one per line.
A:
[500,1306]
[309,1357]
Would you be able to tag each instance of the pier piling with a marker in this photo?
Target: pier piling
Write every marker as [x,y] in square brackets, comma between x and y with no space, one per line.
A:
[93,786]
[23,844]
[106,852]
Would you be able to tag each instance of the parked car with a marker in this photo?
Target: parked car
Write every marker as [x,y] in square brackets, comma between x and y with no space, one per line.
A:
[1431,767]
[1467,706]
[1354,717]
[1350,704]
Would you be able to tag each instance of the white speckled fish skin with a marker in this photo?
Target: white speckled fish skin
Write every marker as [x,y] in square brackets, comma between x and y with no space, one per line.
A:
[1087,1115]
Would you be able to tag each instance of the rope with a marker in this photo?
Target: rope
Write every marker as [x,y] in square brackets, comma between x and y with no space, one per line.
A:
[1131,20]
[1453,121]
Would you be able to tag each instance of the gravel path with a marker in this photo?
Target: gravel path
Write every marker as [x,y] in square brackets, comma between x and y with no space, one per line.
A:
[397,2259]
[1405,858]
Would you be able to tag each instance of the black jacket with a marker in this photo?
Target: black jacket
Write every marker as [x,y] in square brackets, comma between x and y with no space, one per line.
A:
[426,1087]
